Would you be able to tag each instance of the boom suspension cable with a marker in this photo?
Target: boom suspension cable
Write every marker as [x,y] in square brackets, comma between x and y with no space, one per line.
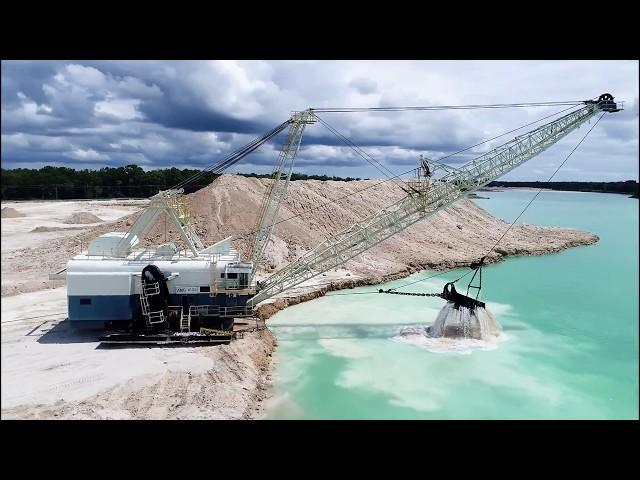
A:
[233,158]
[446,107]
[367,157]
[236,156]
[336,200]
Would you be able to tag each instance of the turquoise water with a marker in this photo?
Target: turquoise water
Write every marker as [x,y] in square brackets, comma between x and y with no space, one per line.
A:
[570,346]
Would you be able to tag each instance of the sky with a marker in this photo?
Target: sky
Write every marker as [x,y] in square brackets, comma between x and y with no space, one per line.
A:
[190,114]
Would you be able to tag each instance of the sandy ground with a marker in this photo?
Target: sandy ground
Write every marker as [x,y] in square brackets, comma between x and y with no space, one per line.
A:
[16,232]
[18,239]
[51,371]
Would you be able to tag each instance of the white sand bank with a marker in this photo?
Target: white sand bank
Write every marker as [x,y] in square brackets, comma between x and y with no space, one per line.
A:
[50,370]
[24,271]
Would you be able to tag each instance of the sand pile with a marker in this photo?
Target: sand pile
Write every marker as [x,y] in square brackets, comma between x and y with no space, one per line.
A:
[454,237]
[82,218]
[8,212]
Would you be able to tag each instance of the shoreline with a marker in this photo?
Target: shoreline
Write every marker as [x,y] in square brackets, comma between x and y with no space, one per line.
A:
[241,378]
[534,189]
[271,307]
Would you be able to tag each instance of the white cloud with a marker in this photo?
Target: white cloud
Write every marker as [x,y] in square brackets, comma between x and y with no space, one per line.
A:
[89,154]
[227,85]
[126,109]
[165,112]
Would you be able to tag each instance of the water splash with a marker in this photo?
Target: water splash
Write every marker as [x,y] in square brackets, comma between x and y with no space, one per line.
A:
[461,322]
[456,330]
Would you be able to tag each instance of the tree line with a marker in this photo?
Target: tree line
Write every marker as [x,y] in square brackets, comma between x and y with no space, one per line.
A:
[131,181]
[629,187]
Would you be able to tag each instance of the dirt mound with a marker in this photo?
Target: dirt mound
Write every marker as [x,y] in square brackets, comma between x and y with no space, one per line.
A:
[8,212]
[82,217]
[452,238]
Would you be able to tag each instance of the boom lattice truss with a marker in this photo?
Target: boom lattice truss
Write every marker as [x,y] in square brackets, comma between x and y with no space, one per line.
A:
[277,190]
[419,205]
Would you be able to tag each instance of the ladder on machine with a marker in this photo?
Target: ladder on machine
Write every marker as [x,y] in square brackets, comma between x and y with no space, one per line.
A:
[185,322]
[151,317]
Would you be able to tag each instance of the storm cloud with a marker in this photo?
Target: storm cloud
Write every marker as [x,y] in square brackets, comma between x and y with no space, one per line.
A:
[157,114]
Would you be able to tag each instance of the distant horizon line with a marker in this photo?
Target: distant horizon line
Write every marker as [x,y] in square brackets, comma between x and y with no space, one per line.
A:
[315,174]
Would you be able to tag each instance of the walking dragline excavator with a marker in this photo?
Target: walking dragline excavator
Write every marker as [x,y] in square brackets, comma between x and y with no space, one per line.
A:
[193,293]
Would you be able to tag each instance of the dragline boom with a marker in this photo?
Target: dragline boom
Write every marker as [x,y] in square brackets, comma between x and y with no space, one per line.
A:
[421,204]
[278,187]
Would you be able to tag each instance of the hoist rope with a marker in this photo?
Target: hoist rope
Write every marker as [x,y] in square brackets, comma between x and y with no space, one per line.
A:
[421,280]
[540,191]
